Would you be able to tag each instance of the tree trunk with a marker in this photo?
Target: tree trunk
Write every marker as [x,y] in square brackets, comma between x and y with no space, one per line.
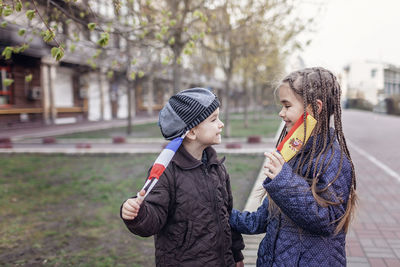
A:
[129,126]
[177,79]
[101,90]
[130,86]
[227,132]
[256,102]
[246,104]
[150,93]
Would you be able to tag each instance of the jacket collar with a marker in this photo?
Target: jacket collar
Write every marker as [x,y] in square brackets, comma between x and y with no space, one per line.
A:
[185,160]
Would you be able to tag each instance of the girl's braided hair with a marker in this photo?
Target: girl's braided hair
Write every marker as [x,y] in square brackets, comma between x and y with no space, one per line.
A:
[314,84]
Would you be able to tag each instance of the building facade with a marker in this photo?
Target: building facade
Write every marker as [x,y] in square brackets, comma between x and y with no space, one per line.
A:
[372,82]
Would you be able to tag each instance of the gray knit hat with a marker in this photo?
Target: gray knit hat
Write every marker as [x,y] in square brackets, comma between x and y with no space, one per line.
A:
[185,110]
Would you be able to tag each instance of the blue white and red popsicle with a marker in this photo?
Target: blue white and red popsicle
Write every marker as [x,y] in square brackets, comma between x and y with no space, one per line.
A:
[161,164]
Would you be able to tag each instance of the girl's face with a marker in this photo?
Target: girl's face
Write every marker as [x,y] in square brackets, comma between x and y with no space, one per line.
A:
[292,106]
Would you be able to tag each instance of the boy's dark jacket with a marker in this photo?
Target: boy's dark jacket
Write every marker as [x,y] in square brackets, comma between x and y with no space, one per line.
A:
[188,212]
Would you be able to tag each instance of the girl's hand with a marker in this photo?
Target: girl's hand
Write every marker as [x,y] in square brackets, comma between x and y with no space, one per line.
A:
[130,208]
[274,165]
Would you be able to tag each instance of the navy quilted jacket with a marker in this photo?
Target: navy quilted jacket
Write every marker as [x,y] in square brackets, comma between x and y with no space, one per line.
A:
[303,234]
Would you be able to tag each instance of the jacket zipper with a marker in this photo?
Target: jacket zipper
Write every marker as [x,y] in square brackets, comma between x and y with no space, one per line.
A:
[204,168]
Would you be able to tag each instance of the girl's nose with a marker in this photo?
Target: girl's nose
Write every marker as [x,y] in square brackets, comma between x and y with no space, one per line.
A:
[281,113]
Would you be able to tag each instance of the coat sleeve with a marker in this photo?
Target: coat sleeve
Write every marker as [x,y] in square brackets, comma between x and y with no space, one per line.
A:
[292,193]
[153,212]
[250,223]
[237,239]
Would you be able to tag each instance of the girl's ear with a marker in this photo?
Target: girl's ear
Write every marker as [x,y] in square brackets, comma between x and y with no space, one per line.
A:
[191,135]
[319,105]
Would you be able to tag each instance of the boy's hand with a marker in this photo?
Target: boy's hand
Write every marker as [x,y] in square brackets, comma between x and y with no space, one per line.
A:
[274,165]
[130,208]
[239,264]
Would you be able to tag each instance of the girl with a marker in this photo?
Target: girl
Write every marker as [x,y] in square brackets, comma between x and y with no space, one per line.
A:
[311,198]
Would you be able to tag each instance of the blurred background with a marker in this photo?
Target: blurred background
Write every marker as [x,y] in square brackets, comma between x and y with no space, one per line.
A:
[82,82]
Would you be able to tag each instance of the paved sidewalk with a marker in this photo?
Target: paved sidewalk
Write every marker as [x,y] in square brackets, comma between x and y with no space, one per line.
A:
[60,129]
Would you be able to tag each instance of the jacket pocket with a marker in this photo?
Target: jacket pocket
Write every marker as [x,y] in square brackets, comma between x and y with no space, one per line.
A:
[188,236]
[187,242]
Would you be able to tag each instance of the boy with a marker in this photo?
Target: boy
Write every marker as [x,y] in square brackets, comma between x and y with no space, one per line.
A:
[188,210]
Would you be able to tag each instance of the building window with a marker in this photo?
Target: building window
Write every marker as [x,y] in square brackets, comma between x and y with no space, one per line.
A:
[5,91]
[373,73]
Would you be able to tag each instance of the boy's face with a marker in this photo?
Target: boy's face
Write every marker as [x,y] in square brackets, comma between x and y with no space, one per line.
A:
[292,106]
[208,132]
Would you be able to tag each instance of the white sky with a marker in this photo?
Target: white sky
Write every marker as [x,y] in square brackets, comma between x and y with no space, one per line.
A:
[353,30]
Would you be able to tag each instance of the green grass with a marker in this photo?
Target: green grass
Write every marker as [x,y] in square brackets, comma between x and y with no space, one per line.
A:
[266,127]
[63,210]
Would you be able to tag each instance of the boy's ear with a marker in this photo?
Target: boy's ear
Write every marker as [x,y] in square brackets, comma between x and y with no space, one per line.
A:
[191,135]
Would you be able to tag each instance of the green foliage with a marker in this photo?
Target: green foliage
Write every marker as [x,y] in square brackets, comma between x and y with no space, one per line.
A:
[7,52]
[164,30]
[104,38]
[172,23]
[20,49]
[91,26]
[92,64]
[171,41]
[97,54]
[21,32]
[7,82]
[7,11]
[72,48]
[110,74]
[57,53]
[140,74]
[48,36]
[28,78]
[30,14]
[166,61]
[4,24]
[114,63]
[190,44]
[133,75]
[187,51]
[18,6]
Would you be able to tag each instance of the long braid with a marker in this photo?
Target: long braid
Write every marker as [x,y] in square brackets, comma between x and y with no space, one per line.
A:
[314,84]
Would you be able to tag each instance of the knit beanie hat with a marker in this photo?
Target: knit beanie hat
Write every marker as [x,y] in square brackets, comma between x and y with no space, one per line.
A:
[185,110]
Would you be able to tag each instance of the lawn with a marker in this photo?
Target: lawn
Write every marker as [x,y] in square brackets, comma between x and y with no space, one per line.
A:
[61,210]
[265,126]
